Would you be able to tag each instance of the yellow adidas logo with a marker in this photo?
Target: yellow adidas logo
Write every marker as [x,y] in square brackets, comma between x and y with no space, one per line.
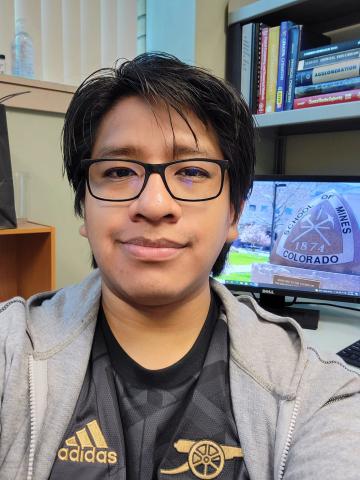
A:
[87,445]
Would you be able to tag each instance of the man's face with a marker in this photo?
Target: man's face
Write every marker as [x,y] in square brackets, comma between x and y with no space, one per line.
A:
[156,250]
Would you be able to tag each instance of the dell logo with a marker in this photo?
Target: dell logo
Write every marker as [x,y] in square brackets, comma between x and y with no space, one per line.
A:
[266,290]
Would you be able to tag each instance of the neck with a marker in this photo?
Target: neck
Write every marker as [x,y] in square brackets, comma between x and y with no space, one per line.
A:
[156,336]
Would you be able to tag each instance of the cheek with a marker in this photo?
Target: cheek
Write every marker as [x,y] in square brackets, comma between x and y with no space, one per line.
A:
[213,227]
[100,220]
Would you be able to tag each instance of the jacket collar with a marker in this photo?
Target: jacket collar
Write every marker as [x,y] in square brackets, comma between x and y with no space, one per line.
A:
[268,347]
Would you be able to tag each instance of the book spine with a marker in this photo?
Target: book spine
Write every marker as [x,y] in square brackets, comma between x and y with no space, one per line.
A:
[233,55]
[293,52]
[327,99]
[328,73]
[272,68]
[255,71]
[328,87]
[263,62]
[282,65]
[246,49]
[329,49]
[329,59]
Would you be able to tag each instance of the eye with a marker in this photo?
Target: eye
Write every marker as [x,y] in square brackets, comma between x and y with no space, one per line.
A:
[196,172]
[118,172]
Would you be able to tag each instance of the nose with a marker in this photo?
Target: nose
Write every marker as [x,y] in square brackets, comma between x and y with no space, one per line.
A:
[155,203]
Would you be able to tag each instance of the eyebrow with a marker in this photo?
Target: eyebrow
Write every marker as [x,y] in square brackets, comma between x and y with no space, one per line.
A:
[131,151]
[112,151]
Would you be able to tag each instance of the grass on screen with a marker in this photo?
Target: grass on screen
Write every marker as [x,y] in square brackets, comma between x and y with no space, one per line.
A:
[244,258]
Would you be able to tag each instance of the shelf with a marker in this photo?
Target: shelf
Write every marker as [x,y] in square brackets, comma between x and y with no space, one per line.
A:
[333,13]
[326,118]
[42,96]
[27,260]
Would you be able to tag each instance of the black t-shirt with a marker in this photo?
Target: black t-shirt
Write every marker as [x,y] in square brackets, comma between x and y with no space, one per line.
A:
[174,423]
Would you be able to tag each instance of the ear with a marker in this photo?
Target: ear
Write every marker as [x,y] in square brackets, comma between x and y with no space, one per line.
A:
[233,230]
[83,231]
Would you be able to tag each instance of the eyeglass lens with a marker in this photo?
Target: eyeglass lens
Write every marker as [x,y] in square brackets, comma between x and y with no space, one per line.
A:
[187,180]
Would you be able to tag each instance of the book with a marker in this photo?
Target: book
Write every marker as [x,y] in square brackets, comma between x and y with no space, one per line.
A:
[282,65]
[293,52]
[328,73]
[329,59]
[328,87]
[327,99]
[255,66]
[233,55]
[272,69]
[299,38]
[246,53]
[262,68]
[327,49]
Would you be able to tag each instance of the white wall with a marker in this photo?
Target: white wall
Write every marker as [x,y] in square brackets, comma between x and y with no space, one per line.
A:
[170,27]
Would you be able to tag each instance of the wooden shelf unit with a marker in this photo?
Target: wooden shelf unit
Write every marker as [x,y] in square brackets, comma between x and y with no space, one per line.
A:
[27,260]
[41,96]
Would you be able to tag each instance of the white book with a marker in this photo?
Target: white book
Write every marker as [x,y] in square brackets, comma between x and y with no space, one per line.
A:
[246,54]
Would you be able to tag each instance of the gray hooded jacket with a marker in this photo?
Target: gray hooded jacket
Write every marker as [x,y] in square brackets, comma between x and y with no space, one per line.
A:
[297,411]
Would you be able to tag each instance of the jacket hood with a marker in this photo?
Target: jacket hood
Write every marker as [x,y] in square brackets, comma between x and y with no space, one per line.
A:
[270,348]
[55,318]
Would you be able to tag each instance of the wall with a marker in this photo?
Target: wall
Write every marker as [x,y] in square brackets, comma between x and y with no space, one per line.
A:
[35,149]
[211,20]
[170,27]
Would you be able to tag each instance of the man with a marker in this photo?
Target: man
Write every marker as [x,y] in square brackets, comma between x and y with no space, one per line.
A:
[147,369]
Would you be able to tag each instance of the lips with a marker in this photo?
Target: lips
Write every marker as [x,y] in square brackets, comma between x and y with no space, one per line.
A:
[157,243]
[152,249]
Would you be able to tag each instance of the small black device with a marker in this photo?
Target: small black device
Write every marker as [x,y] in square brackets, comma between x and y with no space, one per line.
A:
[351,354]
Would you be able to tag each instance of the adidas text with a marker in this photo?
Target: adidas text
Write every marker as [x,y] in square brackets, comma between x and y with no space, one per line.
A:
[89,455]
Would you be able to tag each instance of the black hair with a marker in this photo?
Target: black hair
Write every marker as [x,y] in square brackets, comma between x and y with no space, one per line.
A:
[162,77]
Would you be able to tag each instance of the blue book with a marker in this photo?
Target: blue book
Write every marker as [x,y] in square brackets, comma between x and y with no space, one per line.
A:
[282,65]
[328,87]
[293,54]
[328,73]
[327,49]
[329,59]
[299,38]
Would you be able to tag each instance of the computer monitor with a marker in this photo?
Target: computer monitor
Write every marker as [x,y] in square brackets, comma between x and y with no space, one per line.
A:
[299,237]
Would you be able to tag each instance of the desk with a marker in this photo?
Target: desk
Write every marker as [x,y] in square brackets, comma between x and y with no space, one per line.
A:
[337,328]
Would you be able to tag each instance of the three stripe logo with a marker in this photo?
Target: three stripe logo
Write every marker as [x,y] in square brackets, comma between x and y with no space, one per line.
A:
[87,445]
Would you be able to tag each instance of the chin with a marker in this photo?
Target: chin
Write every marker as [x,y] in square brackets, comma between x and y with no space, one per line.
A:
[154,292]
[150,295]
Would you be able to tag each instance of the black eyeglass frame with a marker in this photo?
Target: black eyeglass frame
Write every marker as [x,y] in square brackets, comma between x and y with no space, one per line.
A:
[154,168]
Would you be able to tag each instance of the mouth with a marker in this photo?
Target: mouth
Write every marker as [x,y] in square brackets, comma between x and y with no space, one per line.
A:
[152,249]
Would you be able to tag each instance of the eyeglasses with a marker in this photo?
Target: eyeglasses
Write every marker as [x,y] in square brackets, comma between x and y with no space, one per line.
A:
[191,180]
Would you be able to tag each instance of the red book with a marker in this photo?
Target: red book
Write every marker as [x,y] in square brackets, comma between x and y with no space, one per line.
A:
[327,99]
[263,61]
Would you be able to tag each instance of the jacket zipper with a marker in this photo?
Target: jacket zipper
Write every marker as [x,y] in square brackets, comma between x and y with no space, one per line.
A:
[32,419]
[289,439]
[338,398]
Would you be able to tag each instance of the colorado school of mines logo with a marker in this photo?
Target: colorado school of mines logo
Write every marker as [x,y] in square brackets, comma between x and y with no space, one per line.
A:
[322,235]
[88,445]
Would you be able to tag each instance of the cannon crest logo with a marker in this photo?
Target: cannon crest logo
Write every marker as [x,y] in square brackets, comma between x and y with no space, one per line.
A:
[206,459]
[88,445]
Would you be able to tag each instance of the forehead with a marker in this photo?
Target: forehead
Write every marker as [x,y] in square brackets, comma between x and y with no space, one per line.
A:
[136,124]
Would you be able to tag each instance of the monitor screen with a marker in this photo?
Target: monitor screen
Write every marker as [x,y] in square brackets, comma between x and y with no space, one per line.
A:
[299,236]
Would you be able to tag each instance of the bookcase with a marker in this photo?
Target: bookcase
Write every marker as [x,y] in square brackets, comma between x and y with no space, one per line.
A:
[27,260]
[321,16]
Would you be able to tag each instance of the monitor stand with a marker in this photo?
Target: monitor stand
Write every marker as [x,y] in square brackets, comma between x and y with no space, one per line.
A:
[306,318]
